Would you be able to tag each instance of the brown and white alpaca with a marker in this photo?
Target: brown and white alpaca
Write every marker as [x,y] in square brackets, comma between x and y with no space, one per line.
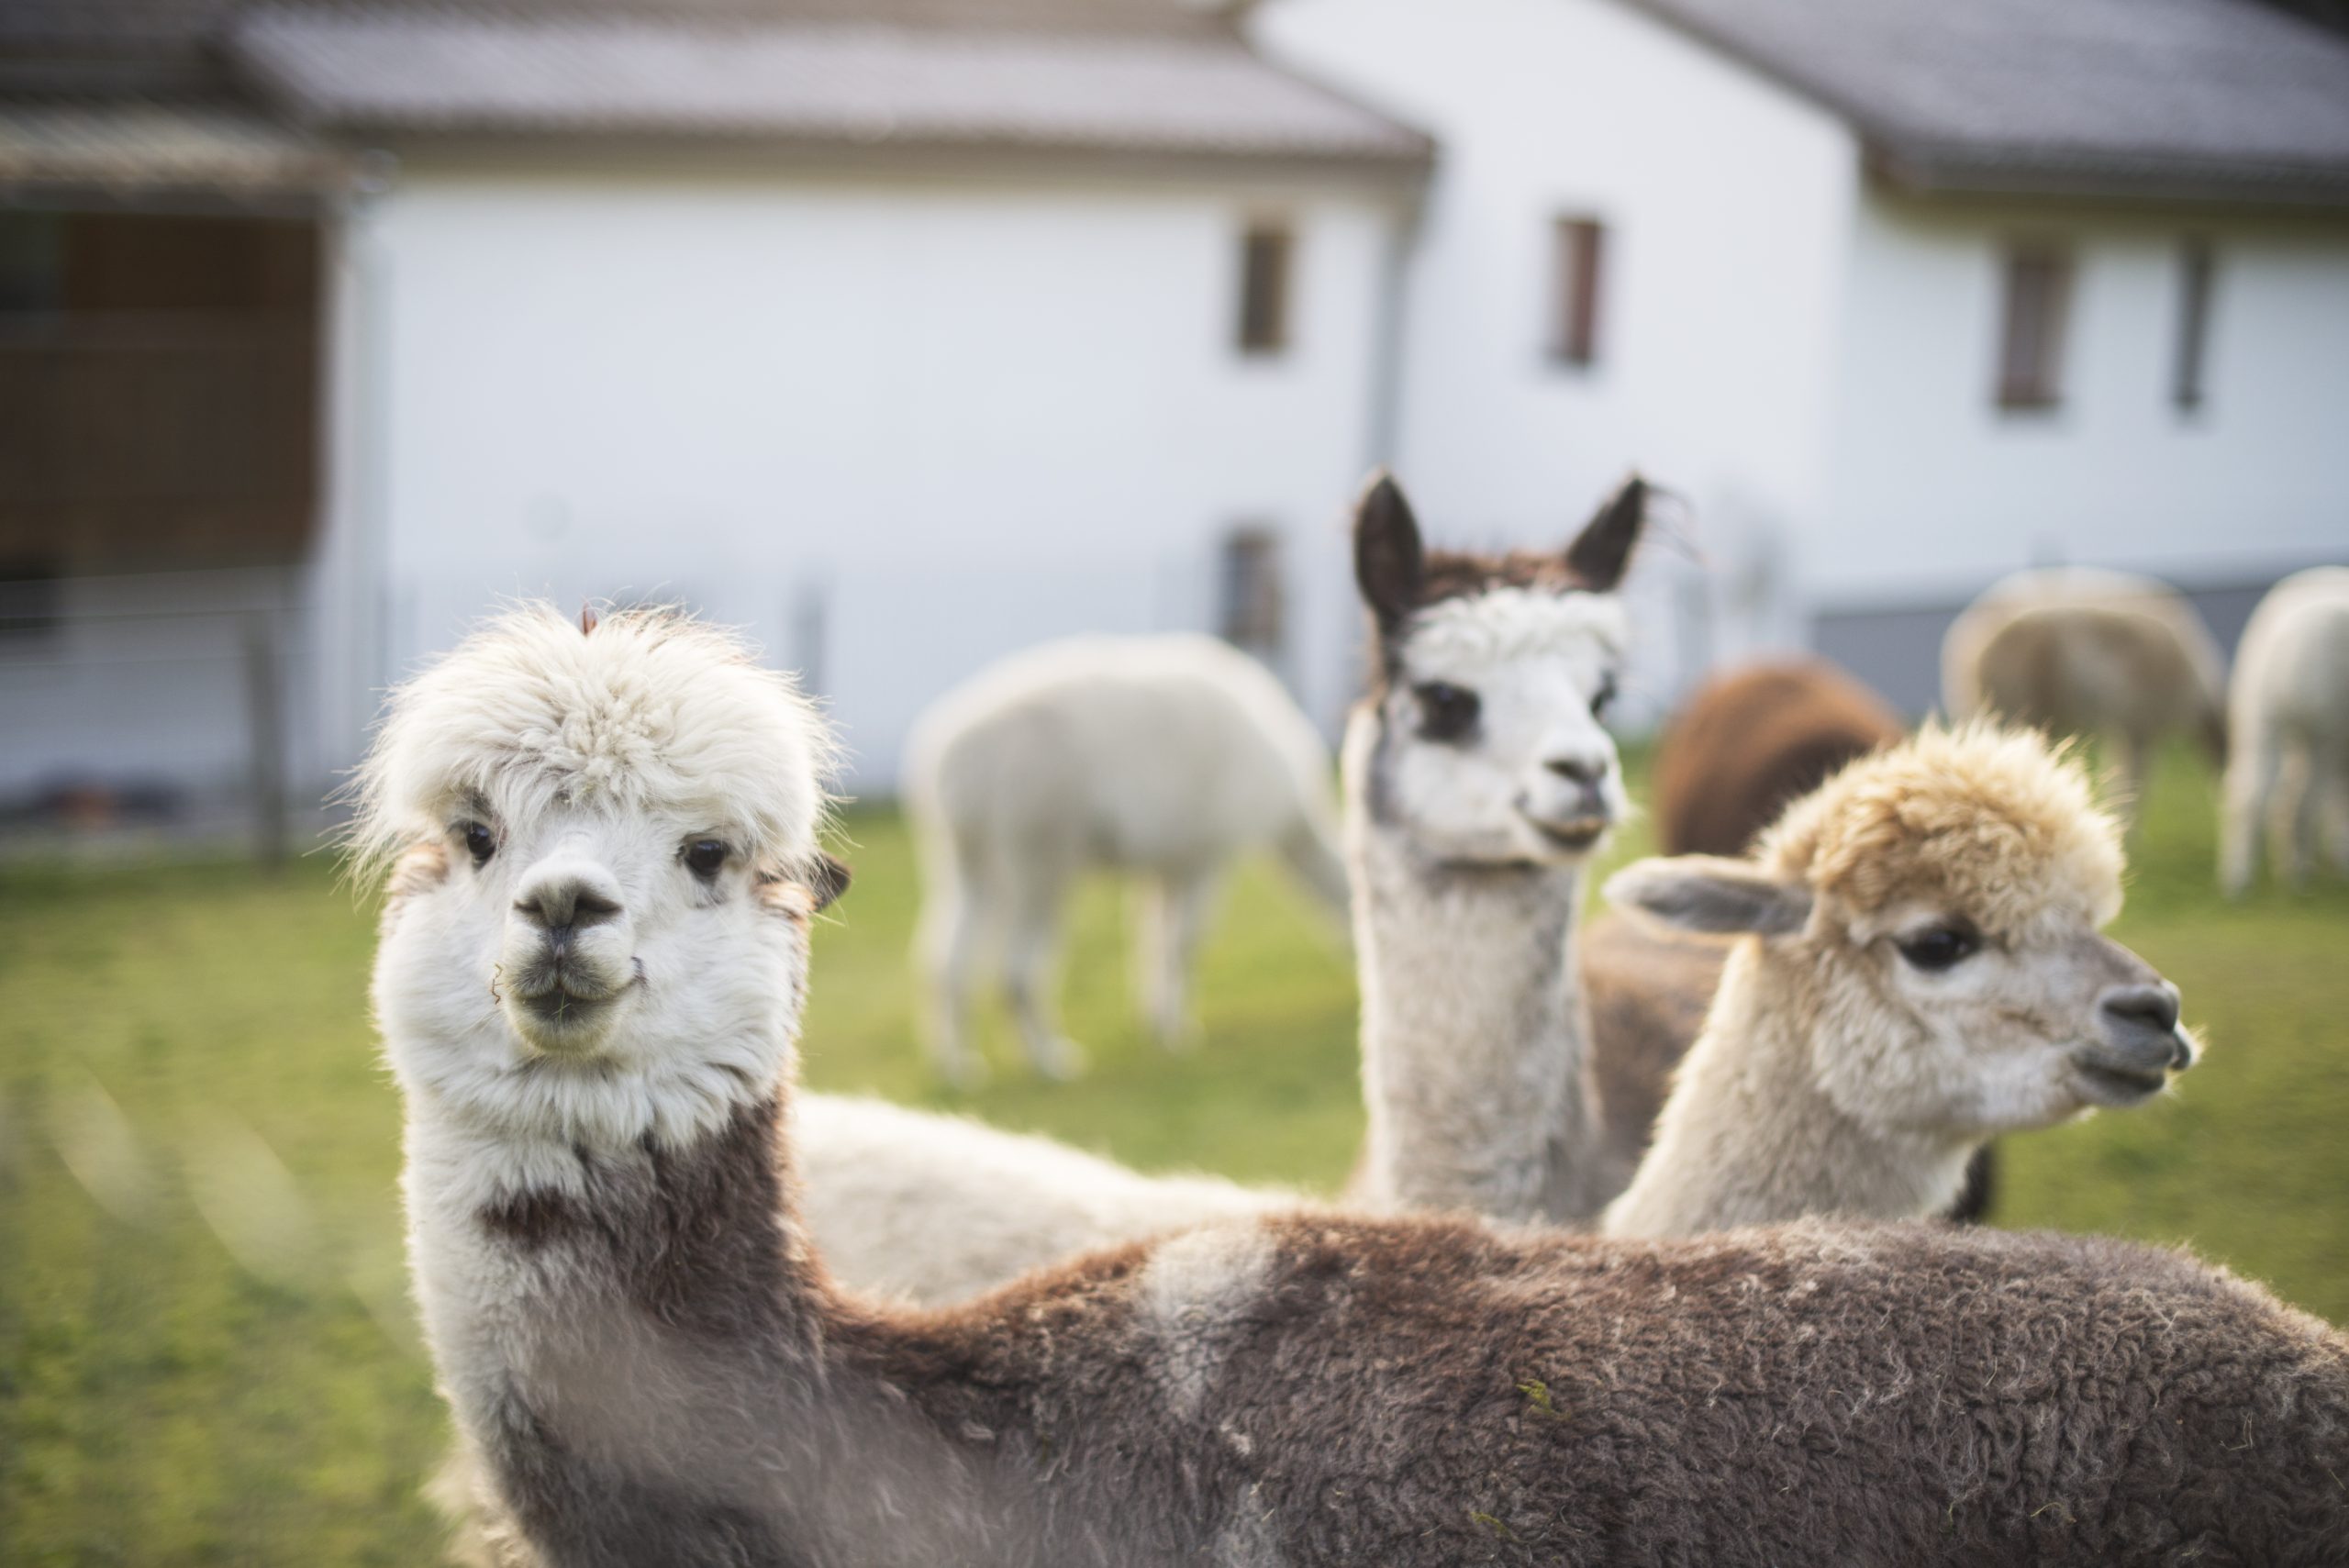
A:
[1478,781]
[1164,757]
[2081,652]
[589,979]
[1920,970]
[2288,713]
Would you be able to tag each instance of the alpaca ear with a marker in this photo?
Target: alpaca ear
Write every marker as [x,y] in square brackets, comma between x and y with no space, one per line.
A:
[1710,892]
[1389,564]
[1603,549]
[827,880]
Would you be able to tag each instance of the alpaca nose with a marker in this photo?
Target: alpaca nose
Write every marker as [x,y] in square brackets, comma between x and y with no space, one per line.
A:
[562,898]
[1584,771]
[2143,1021]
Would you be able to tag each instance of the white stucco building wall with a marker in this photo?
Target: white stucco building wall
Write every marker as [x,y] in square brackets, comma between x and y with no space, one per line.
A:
[896,426]
[1808,356]
[1936,489]
[1728,204]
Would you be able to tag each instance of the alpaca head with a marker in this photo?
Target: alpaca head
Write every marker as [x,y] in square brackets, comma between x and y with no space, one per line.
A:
[1931,914]
[603,842]
[1481,742]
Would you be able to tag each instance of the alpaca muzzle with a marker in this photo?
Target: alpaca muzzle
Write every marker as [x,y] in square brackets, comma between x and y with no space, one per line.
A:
[566,962]
[2143,1045]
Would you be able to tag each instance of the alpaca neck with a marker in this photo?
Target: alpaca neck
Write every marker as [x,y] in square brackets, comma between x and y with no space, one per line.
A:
[1473,1028]
[1748,1136]
[654,1368]
[543,1267]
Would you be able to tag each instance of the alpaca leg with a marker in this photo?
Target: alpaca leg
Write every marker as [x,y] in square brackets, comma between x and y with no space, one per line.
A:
[1182,901]
[1032,936]
[2304,789]
[952,929]
[2336,811]
[2136,753]
[2242,813]
[1147,900]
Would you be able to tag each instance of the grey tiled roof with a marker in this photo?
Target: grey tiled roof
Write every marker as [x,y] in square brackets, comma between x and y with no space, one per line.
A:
[445,73]
[2195,98]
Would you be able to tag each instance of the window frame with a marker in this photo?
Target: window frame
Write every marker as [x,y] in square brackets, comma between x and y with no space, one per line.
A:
[2031,348]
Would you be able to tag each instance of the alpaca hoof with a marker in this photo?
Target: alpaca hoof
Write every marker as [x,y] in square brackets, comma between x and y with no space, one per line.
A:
[1059,1059]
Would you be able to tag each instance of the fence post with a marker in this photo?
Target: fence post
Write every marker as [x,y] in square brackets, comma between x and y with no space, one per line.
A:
[265,728]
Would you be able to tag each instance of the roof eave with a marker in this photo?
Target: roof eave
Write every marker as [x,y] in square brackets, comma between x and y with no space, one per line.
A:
[1400,168]
[1920,169]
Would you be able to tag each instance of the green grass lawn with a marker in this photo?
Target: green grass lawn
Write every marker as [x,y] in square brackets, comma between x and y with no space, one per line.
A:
[206,1352]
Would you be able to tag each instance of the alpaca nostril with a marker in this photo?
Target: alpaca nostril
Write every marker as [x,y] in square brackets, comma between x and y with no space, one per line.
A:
[1576,770]
[563,905]
[2150,1008]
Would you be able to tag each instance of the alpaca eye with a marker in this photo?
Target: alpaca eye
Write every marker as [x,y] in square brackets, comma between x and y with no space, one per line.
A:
[1939,947]
[1446,711]
[1604,697]
[479,842]
[705,857]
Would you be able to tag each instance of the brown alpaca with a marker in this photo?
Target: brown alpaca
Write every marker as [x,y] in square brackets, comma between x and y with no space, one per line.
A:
[590,986]
[1748,742]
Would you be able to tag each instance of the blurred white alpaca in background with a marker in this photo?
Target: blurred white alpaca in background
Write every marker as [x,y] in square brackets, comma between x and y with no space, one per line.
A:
[2287,714]
[1163,756]
[2074,651]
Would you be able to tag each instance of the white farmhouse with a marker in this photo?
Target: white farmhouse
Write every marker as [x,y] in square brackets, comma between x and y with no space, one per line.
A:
[906,333]
[1903,293]
[911,331]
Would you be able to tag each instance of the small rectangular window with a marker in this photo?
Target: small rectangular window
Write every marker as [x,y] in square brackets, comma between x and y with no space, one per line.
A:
[2031,352]
[1264,256]
[2196,269]
[1251,609]
[1578,249]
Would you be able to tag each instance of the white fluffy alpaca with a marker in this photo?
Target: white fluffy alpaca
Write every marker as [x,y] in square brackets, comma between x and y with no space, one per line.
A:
[2288,713]
[1164,756]
[2085,652]
[923,1207]
[1921,971]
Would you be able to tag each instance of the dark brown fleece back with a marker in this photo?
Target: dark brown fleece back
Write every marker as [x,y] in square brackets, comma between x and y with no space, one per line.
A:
[1747,743]
[1411,1392]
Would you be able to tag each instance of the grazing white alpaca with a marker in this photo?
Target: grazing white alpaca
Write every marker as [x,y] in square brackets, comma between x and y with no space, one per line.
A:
[1165,756]
[1921,971]
[2082,651]
[2287,711]
[589,979]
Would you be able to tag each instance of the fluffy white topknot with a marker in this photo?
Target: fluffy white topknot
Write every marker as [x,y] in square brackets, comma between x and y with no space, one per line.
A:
[1482,630]
[650,709]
